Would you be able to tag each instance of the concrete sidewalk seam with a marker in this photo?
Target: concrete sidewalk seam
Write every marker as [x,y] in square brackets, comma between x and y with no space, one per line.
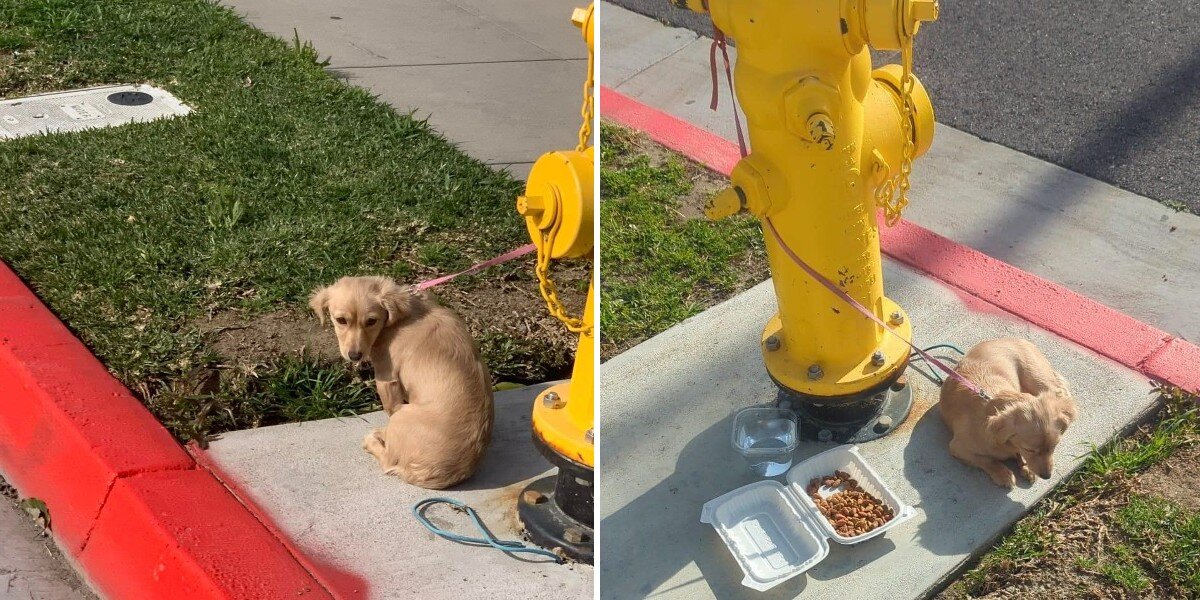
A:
[458,64]
[653,64]
[1013,297]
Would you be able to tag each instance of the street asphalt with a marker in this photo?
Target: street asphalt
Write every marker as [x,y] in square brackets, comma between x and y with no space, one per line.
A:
[1107,89]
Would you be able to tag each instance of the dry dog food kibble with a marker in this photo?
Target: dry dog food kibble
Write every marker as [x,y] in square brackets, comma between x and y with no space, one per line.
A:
[850,510]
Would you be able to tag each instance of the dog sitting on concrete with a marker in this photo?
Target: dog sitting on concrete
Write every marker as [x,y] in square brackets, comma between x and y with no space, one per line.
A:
[1029,409]
[431,380]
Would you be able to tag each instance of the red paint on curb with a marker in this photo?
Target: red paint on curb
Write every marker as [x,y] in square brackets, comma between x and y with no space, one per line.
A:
[700,145]
[1044,303]
[126,501]
[181,534]
[343,584]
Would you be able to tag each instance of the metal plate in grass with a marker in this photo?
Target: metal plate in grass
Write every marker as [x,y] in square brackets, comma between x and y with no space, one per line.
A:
[90,108]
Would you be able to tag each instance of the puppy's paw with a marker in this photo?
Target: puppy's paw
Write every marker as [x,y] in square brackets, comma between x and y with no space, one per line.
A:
[1003,478]
[1027,474]
[373,442]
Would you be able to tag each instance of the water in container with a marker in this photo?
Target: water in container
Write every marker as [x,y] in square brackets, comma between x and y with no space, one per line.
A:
[766,437]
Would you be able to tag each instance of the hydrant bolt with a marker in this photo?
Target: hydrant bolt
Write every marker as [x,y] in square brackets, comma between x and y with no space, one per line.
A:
[883,424]
[815,372]
[877,358]
[553,401]
[773,343]
[897,318]
[820,130]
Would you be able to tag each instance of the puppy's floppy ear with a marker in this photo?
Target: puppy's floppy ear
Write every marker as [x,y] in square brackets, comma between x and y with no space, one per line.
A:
[397,300]
[1000,426]
[319,302]
[1067,411]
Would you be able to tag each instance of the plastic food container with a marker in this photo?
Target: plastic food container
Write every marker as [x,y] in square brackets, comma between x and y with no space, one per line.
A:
[776,532]
[766,438]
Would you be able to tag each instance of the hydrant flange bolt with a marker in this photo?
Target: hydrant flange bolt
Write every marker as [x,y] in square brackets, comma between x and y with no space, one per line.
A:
[815,372]
[773,343]
[897,318]
[553,401]
[590,436]
[877,358]
[883,424]
[573,535]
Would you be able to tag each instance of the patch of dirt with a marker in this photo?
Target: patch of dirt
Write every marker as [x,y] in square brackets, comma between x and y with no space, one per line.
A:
[260,339]
[705,183]
[520,340]
[518,336]
[1078,532]
[1176,479]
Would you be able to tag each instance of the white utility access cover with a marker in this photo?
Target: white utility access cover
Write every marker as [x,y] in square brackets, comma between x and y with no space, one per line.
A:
[90,108]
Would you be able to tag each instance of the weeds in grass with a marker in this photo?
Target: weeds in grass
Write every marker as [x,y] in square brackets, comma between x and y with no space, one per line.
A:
[1177,425]
[1167,538]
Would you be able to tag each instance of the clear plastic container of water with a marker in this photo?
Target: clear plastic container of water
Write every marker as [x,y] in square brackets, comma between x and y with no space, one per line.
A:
[766,437]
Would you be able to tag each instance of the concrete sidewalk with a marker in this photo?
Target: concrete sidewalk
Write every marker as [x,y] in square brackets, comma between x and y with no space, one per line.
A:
[503,79]
[668,408]
[332,500]
[1125,251]
[30,565]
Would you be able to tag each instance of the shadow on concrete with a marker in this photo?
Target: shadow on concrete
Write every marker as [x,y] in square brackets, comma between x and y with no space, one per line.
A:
[1147,118]
[951,494]
[661,533]
[511,457]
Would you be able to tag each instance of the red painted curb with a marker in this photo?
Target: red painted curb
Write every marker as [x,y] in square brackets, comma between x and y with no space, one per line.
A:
[126,502]
[1044,303]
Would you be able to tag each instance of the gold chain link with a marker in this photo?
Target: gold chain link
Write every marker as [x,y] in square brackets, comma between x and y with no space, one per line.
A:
[893,193]
[545,284]
[585,130]
[550,291]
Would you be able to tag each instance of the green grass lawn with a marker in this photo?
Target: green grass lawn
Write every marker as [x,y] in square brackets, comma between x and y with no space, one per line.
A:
[663,261]
[282,179]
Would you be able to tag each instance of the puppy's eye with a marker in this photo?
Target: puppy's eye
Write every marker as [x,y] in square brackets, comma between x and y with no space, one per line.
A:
[371,322]
[341,320]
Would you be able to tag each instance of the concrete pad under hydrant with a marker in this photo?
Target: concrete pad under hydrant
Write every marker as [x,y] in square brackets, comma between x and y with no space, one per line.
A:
[332,500]
[668,405]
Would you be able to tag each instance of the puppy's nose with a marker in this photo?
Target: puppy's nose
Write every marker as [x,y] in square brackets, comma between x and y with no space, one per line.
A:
[1045,475]
[354,355]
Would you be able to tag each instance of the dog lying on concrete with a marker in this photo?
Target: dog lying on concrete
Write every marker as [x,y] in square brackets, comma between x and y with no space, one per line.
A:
[1029,409]
[433,385]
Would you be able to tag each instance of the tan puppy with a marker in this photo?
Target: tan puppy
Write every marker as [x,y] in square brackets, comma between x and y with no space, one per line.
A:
[433,384]
[1029,409]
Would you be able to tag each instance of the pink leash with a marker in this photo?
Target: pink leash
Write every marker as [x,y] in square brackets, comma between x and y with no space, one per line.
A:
[507,256]
[840,293]
[719,42]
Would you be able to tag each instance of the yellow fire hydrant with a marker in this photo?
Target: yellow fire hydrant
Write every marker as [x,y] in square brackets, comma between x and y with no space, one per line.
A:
[833,141]
[558,511]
